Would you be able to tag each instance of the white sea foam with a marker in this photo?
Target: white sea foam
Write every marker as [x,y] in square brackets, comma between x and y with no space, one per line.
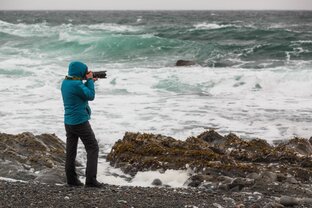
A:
[4,23]
[211,26]
[175,104]
[114,27]
[302,41]
[77,37]
[114,176]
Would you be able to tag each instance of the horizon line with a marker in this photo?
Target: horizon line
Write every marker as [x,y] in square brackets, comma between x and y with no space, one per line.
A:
[156,10]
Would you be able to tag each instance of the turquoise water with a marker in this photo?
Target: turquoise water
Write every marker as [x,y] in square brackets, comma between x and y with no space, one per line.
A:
[253,74]
[158,39]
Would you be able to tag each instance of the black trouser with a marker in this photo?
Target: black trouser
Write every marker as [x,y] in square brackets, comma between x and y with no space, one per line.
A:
[85,133]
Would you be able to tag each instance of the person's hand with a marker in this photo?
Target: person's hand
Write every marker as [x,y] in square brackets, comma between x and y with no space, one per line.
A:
[89,75]
[95,79]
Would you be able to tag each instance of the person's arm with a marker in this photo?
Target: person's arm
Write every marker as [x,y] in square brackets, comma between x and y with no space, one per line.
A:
[88,91]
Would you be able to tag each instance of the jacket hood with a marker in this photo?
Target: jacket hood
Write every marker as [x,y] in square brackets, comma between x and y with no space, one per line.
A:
[77,69]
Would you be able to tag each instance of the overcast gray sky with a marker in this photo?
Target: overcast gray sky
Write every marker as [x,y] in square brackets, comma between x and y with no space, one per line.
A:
[156,4]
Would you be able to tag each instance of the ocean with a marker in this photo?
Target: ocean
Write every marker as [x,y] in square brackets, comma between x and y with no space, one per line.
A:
[253,75]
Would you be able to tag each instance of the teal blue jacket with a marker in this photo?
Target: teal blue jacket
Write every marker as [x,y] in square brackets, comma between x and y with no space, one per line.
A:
[76,94]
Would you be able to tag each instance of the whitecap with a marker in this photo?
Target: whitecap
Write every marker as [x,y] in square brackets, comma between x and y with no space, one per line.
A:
[114,27]
[211,26]
[4,23]
[139,19]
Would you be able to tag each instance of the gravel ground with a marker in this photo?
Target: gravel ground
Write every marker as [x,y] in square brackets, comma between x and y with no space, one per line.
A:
[17,194]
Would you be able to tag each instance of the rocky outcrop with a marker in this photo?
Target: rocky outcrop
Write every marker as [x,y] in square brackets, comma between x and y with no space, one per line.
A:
[227,162]
[185,63]
[32,158]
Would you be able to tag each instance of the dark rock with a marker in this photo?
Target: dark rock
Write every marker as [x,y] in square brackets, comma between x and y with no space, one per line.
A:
[53,175]
[217,205]
[273,205]
[306,201]
[281,177]
[225,179]
[209,186]
[267,177]
[224,187]
[235,187]
[28,157]
[289,201]
[306,162]
[198,180]
[185,63]
[195,180]
[212,137]
[256,205]
[244,181]
[157,182]
[291,180]
[253,175]
[213,154]
[302,146]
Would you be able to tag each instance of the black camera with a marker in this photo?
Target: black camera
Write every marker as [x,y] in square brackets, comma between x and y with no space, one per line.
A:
[99,74]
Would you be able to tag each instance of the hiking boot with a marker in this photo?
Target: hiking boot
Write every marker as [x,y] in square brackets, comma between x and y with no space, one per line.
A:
[95,184]
[76,184]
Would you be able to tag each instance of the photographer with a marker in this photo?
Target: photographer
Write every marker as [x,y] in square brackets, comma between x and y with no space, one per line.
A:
[76,94]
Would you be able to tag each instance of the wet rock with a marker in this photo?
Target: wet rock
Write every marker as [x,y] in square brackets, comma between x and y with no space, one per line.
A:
[225,179]
[195,180]
[209,186]
[306,162]
[291,180]
[306,201]
[153,152]
[239,206]
[27,157]
[53,175]
[217,205]
[185,63]
[212,137]
[302,146]
[281,177]
[267,177]
[253,175]
[213,154]
[289,201]
[239,183]
[273,205]
[255,205]
[157,182]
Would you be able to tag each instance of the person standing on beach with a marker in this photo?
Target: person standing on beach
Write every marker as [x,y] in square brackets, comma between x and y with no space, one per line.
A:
[76,94]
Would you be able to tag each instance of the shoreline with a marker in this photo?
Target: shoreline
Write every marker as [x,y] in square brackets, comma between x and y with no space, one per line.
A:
[227,171]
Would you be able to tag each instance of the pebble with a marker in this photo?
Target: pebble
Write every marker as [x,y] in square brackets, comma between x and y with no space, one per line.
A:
[291,180]
[306,200]
[273,205]
[157,182]
[217,205]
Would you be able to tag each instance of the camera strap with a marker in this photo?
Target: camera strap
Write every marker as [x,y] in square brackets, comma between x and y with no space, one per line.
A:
[73,78]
